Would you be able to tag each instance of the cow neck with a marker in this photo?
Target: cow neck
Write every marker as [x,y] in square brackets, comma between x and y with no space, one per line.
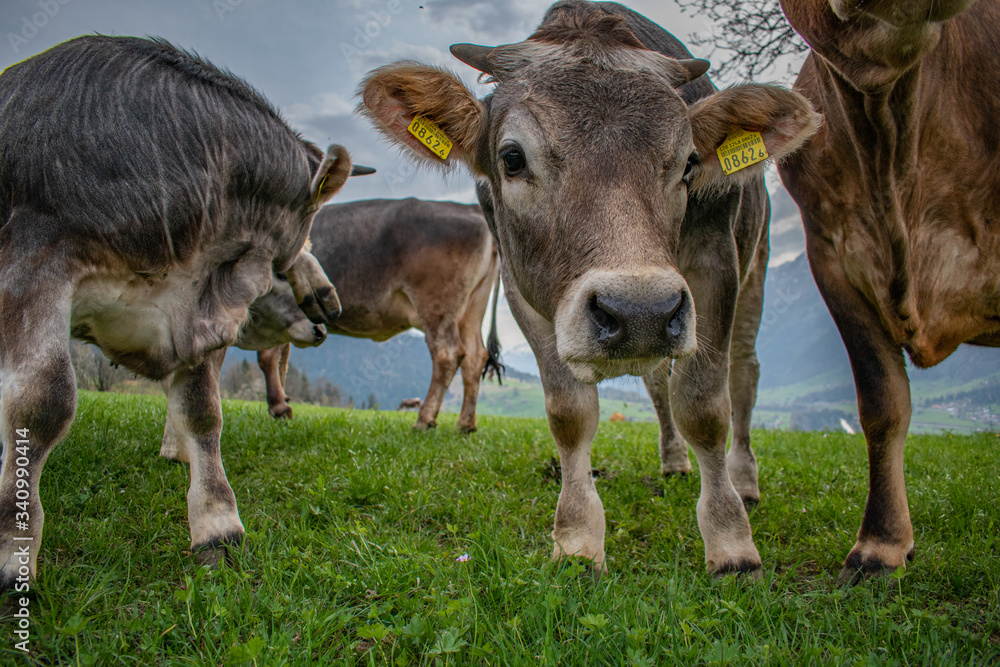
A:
[884,127]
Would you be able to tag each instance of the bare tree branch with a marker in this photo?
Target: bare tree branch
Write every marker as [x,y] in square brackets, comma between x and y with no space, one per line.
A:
[751,34]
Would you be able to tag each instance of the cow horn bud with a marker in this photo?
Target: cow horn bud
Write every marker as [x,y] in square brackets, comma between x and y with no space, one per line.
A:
[474,56]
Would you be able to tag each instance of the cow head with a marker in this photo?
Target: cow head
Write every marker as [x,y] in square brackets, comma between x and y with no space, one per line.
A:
[276,318]
[885,37]
[586,157]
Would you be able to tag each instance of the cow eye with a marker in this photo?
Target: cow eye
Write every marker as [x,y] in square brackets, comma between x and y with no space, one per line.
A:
[513,160]
[692,162]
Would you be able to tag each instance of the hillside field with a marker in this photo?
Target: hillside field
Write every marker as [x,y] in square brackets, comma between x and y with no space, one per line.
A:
[356,525]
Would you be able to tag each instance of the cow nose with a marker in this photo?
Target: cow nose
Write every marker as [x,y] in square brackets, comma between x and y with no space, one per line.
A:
[629,328]
[319,333]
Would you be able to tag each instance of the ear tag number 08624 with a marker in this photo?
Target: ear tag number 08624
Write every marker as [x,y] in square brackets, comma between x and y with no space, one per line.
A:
[431,135]
[741,149]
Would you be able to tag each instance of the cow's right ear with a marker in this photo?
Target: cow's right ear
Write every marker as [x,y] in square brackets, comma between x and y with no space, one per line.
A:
[393,95]
[331,175]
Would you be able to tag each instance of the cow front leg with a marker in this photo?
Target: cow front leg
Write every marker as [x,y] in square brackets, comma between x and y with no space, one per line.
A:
[674,458]
[37,406]
[194,406]
[744,373]
[270,362]
[699,397]
[702,410]
[885,539]
[445,347]
[573,412]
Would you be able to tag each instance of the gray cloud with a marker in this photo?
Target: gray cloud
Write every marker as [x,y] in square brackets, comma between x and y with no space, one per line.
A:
[486,21]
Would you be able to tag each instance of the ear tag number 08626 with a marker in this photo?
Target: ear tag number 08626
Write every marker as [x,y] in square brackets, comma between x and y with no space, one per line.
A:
[741,149]
[431,136]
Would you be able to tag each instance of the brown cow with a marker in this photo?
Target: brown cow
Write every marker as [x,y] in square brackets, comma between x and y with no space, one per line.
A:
[402,264]
[899,192]
[596,165]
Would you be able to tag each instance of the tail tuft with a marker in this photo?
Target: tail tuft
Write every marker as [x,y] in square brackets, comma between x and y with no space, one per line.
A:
[493,367]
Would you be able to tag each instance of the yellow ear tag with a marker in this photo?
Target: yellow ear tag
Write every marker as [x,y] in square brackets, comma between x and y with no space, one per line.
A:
[741,149]
[431,136]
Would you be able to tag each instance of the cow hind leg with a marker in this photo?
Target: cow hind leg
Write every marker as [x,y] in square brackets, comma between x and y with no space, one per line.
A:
[37,406]
[445,346]
[744,373]
[274,364]
[471,332]
[674,459]
[171,447]
[472,373]
[195,410]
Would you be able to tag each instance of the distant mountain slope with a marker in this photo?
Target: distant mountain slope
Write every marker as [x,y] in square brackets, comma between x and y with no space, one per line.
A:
[798,340]
[391,371]
[802,357]
[805,373]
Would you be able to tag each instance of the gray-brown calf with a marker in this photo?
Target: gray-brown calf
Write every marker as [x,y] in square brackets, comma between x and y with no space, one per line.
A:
[595,159]
[146,197]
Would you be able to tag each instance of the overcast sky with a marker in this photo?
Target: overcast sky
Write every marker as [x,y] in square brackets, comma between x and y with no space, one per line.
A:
[307,56]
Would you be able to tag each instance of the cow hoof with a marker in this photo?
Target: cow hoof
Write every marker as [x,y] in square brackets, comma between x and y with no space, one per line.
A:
[282,412]
[465,429]
[747,566]
[218,551]
[750,502]
[423,427]
[857,568]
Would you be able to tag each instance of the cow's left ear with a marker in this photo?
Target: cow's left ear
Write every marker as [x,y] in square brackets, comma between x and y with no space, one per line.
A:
[783,118]
[331,174]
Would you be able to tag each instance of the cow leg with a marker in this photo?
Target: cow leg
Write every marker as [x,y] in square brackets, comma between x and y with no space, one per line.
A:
[37,406]
[270,363]
[674,458]
[286,352]
[171,447]
[472,372]
[885,539]
[195,411]
[470,329]
[573,411]
[699,396]
[744,372]
[445,346]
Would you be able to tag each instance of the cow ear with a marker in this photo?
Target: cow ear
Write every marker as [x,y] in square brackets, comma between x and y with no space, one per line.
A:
[331,174]
[393,95]
[783,118]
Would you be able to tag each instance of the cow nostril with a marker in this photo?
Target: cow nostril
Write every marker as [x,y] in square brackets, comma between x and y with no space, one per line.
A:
[604,316]
[318,333]
[675,314]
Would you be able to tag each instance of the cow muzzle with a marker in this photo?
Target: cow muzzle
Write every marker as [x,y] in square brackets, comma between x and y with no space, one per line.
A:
[614,323]
[306,334]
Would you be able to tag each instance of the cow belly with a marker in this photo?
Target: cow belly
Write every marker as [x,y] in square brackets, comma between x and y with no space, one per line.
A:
[379,320]
[152,327]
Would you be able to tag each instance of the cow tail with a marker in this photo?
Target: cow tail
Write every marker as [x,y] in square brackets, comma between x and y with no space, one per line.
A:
[493,366]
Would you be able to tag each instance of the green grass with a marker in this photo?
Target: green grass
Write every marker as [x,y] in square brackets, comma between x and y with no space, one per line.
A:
[354,523]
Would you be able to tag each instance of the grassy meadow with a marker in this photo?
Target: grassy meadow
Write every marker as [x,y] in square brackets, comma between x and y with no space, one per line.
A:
[371,544]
